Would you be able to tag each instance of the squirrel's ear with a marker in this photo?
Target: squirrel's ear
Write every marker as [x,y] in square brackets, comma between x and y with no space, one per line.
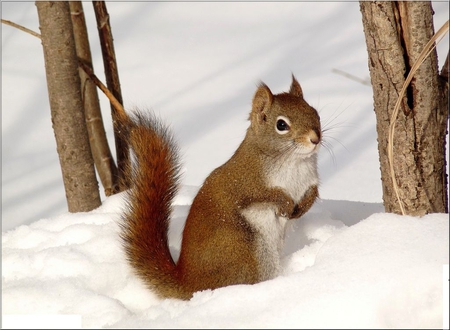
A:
[295,90]
[261,101]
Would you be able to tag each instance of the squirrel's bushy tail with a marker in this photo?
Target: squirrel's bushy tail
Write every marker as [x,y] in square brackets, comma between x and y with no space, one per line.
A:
[154,176]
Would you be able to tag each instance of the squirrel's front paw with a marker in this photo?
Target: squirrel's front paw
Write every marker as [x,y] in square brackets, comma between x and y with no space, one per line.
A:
[298,211]
[286,208]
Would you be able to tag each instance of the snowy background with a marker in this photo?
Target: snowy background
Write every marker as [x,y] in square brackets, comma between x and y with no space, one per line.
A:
[197,65]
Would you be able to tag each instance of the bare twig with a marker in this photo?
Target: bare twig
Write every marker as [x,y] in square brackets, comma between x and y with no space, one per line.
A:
[20,27]
[112,99]
[84,66]
[113,83]
[352,77]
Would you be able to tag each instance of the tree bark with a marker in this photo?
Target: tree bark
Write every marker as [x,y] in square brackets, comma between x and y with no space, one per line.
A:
[113,84]
[396,33]
[63,83]
[101,153]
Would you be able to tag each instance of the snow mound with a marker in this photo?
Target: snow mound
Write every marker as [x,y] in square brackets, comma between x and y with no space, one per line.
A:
[382,270]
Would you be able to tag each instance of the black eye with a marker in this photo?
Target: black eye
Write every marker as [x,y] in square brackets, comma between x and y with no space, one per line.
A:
[282,125]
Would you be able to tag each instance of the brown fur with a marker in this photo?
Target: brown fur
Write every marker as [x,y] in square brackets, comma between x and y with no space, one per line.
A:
[220,245]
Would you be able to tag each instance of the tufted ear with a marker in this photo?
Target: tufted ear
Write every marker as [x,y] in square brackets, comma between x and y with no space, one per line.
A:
[261,102]
[295,89]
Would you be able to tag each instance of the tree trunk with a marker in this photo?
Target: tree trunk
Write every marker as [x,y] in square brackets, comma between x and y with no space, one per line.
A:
[103,159]
[396,32]
[63,83]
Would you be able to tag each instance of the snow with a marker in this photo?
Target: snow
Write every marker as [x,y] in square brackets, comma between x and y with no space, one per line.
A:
[384,271]
[347,264]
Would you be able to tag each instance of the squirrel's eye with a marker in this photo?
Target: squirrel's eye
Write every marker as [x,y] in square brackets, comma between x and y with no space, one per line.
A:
[282,126]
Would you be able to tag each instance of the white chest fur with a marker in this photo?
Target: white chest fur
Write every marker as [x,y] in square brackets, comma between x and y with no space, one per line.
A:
[270,239]
[294,175]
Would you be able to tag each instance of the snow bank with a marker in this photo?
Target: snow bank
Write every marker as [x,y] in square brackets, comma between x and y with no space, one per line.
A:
[381,270]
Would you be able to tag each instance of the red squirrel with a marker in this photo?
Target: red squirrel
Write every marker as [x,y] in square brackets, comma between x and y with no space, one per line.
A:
[234,231]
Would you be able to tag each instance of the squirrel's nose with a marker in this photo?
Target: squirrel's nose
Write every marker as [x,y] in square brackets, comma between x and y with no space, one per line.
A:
[314,137]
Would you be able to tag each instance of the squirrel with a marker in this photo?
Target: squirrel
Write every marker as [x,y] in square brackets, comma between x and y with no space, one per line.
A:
[234,231]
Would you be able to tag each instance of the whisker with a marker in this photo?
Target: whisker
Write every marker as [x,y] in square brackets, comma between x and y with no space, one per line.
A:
[336,140]
[334,116]
[287,151]
[330,122]
[327,147]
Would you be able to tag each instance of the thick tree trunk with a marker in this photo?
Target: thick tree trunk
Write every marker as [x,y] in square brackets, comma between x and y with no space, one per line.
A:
[396,32]
[63,82]
[103,159]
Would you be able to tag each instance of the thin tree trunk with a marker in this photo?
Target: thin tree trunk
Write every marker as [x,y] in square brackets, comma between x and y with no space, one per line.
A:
[63,83]
[103,159]
[396,32]
[113,84]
